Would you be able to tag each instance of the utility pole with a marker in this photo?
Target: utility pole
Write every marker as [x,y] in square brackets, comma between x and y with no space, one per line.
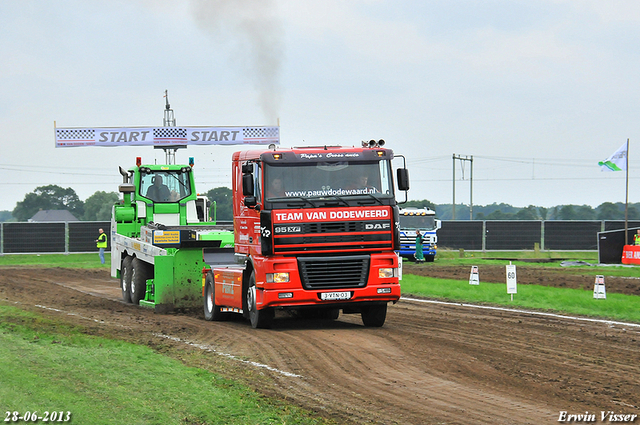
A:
[169,121]
[463,158]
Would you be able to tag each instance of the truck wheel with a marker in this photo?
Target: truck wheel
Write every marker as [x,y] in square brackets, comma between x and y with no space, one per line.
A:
[429,258]
[330,314]
[125,279]
[259,318]
[374,315]
[139,276]
[211,310]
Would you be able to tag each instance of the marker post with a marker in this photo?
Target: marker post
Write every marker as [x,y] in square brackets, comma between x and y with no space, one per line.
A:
[474,278]
[599,291]
[512,281]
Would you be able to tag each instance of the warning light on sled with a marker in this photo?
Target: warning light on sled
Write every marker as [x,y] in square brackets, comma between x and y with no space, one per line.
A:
[138,161]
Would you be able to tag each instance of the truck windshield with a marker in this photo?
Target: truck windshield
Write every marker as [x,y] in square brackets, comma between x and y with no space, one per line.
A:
[328,179]
[165,186]
[413,222]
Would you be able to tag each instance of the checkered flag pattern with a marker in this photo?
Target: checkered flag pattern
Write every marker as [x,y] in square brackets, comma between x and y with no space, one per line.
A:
[170,133]
[259,132]
[76,134]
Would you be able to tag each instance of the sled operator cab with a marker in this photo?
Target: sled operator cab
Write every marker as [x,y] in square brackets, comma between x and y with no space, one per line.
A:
[163,194]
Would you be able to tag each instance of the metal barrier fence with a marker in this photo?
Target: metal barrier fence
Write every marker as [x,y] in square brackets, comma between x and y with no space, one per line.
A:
[49,238]
[80,236]
[524,235]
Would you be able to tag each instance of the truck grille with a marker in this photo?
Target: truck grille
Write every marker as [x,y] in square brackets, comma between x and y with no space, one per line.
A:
[405,240]
[334,272]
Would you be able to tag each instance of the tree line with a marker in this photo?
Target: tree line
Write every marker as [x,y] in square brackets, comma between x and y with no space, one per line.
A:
[97,207]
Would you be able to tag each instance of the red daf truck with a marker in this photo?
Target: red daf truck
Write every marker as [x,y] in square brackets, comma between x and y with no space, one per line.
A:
[316,230]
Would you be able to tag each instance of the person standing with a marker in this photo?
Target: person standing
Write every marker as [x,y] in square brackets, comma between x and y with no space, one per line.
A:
[419,255]
[101,244]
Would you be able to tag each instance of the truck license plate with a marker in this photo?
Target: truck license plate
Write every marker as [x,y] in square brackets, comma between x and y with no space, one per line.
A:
[329,296]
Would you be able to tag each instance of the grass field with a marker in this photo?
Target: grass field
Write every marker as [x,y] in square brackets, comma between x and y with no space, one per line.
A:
[560,300]
[616,306]
[78,261]
[46,366]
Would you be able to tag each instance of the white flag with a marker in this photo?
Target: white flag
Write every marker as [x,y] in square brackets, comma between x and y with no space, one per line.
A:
[617,161]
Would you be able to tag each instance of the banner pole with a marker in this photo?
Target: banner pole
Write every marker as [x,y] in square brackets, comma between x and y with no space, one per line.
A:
[626,201]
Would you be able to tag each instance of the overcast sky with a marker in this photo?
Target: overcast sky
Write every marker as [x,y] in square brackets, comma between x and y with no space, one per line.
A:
[536,91]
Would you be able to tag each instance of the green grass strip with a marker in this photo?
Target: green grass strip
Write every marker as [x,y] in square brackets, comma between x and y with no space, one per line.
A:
[77,261]
[45,366]
[563,300]
[451,254]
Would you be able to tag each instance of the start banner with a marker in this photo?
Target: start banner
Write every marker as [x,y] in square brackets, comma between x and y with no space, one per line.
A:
[165,136]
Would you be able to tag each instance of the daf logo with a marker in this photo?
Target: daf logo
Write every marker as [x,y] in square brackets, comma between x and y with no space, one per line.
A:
[377,226]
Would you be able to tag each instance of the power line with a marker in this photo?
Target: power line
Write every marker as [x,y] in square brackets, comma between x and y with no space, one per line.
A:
[57,172]
[564,162]
[526,179]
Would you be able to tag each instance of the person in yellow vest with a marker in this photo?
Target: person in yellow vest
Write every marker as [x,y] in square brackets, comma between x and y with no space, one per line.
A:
[101,244]
[636,238]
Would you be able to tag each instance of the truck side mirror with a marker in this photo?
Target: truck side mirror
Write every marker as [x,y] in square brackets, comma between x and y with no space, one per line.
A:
[403,179]
[250,201]
[247,185]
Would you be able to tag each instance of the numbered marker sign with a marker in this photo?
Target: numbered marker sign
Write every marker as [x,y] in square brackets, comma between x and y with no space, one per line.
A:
[473,277]
[512,281]
[598,289]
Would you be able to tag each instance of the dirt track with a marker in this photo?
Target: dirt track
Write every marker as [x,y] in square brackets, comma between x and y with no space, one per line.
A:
[430,363]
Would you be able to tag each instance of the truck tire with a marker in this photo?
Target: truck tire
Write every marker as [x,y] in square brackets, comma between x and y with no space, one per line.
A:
[125,279]
[374,315]
[211,310]
[139,276]
[429,258]
[331,314]
[259,318]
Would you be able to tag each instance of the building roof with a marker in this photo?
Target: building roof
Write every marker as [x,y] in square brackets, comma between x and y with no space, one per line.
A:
[52,215]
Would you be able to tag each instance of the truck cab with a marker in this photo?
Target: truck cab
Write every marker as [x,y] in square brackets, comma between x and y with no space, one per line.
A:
[316,228]
[423,219]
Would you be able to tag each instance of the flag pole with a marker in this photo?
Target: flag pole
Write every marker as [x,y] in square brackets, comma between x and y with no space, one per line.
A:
[626,201]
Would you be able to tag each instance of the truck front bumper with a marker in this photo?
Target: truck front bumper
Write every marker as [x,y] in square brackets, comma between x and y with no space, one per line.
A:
[333,297]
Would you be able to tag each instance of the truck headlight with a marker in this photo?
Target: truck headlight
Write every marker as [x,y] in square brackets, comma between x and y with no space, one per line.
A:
[387,272]
[277,277]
